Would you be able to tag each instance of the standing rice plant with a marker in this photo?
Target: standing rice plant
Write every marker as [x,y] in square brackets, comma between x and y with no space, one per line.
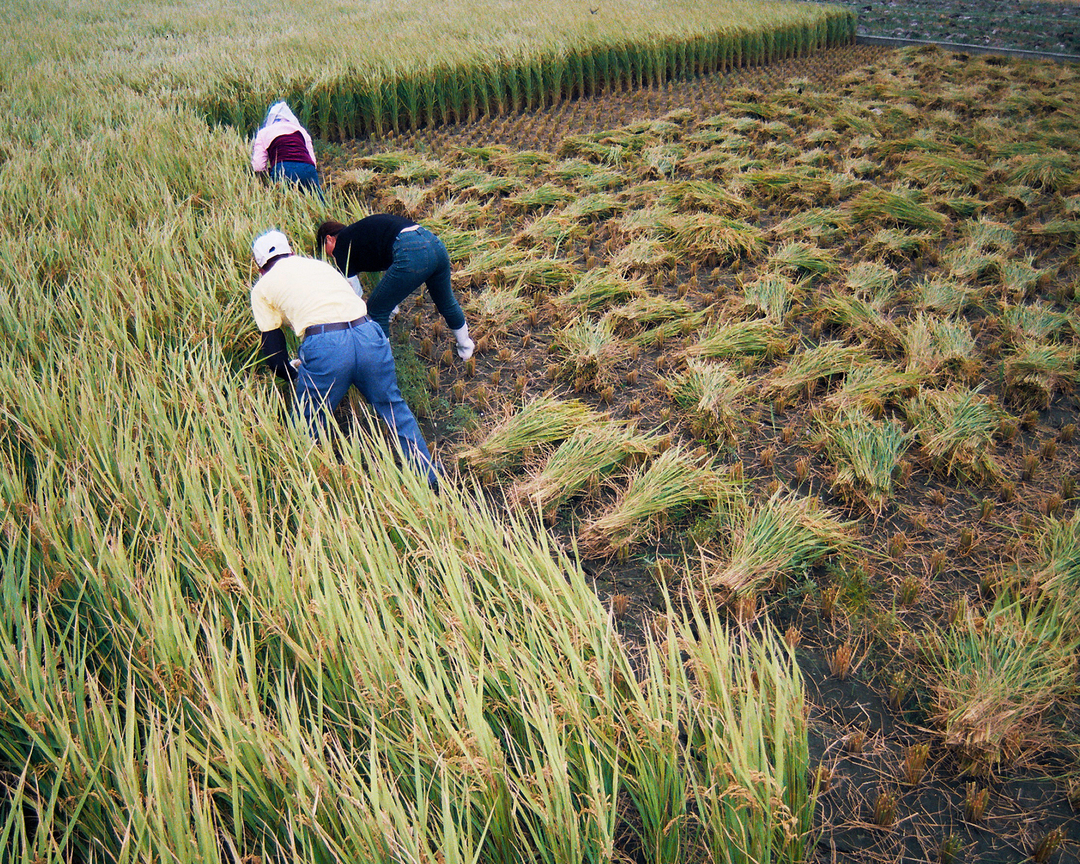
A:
[765,810]
[865,454]
[955,429]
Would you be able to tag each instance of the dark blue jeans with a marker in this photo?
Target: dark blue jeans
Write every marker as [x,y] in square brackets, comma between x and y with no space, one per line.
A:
[419,257]
[301,173]
[332,362]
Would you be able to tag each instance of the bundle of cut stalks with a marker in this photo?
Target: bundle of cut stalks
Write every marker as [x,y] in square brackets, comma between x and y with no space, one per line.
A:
[767,542]
[543,422]
[662,492]
[581,462]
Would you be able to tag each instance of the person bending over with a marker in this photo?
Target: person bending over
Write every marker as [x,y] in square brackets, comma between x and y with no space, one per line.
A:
[409,254]
[340,347]
[283,148]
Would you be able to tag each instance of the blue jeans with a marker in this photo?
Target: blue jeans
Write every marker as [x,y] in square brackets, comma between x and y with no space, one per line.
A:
[419,257]
[332,362]
[302,174]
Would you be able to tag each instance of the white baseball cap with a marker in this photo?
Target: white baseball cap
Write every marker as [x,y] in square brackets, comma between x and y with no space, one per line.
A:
[269,245]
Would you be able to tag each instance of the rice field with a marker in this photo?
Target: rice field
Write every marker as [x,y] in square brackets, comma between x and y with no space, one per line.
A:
[762,524]
[840,293]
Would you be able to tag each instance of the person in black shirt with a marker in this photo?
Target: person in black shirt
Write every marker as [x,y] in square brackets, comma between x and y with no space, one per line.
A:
[409,254]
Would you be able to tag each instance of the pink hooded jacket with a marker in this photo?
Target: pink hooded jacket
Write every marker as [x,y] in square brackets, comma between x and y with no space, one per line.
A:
[280,120]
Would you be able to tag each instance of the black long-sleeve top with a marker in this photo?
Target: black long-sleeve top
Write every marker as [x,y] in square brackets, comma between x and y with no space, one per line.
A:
[367,246]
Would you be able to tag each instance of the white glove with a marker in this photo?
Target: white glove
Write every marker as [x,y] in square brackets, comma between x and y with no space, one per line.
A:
[356,286]
[295,363]
[465,345]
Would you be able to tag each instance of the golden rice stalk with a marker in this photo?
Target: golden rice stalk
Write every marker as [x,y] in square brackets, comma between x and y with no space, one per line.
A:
[784,535]
[584,459]
[673,482]
[543,422]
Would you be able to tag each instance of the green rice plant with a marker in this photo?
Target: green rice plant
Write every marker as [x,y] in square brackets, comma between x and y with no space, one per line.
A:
[770,780]
[933,345]
[1035,371]
[585,459]
[955,428]
[899,244]
[540,197]
[782,536]
[692,196]
[542,423]
[871,281]
[995,677]
[594,207]
[600,288]
[643,313]
[714,397]
[539,275]
[865,454]
[587,352]
[802,259]
[821,224]
[947,296]
[861,320]
[753,340]
[871,388]
[654,496]
[904,207]
[812,366]
[1051,171]
[772,295]
[712,239]
[1036,321]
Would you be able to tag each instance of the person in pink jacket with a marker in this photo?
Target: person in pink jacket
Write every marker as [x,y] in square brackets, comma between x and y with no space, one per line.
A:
[283,149]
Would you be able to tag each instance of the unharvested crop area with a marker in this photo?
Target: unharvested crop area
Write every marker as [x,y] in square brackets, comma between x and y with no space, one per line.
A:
[763,539]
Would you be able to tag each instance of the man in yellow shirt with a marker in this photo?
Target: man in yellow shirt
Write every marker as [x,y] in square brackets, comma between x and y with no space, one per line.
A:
[340,345]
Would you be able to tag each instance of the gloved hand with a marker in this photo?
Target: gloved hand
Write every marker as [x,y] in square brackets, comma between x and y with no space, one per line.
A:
[295,363]
[465,345]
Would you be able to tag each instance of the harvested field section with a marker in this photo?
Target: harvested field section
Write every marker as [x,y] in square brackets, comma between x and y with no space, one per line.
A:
[839,300]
